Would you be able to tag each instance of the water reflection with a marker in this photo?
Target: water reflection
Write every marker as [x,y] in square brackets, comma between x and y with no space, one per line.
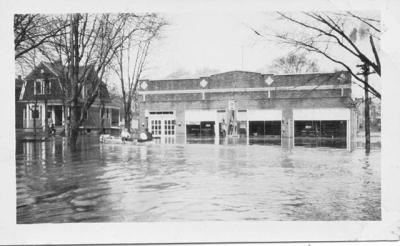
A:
[232,140]
[321,142]
[162,181]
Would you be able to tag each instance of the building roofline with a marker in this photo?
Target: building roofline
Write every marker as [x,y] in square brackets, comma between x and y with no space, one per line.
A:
[141,80]
[241,71]
[297,74]
[46,64]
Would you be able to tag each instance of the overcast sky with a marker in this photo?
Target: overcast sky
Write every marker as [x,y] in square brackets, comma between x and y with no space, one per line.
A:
[221,41]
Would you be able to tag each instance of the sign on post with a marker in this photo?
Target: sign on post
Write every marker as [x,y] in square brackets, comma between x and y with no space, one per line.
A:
[231,105]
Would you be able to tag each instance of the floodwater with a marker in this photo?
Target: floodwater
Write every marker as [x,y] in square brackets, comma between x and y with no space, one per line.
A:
[193,182]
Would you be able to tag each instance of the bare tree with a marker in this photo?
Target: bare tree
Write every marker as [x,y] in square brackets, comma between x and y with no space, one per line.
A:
[179,74]
[81,56]
[32,31]
[132,55]
[183,73]
[294,63]
[334,36]
[205,72]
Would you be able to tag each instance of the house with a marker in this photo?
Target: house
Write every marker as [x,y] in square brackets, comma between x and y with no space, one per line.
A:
[290,109]
[19,107]
[42,89]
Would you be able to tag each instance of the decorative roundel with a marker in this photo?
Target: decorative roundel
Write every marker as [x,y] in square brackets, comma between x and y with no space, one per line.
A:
[342,77]
[203,83]
[269,80]
[143,85]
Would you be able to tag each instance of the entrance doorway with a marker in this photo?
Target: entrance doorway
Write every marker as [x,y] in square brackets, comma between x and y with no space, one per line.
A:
[162,123]
[162,127]
[58,115]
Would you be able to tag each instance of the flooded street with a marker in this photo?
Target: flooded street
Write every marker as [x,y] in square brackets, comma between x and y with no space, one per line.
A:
[193,182]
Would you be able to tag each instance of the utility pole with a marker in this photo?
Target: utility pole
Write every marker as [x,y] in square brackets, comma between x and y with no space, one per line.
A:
[365,72]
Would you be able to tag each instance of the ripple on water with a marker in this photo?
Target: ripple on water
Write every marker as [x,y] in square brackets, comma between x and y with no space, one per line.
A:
[102,183]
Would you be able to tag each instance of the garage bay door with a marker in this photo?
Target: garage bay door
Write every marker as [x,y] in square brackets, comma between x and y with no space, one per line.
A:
[321,127]
[200,123]
[264,122]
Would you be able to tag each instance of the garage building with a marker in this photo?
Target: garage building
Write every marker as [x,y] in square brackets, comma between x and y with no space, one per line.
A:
[293,109]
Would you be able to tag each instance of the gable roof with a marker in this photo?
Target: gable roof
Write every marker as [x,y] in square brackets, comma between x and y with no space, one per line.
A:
[55,71]
[19,82]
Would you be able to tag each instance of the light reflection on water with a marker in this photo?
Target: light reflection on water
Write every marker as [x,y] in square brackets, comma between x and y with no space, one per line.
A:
[190,182]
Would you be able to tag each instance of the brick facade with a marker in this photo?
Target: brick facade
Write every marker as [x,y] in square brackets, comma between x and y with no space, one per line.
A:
[250,91]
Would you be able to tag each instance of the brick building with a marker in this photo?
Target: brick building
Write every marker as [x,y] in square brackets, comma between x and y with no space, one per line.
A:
[41,92]
[298,109]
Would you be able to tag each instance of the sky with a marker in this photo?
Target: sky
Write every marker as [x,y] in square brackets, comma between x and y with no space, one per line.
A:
[222,41]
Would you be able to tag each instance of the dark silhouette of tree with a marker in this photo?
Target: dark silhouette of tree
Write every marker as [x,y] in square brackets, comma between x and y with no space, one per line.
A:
[184,74]
[293,63]
[179,74]
[32,31]
[205,72]
[333,36]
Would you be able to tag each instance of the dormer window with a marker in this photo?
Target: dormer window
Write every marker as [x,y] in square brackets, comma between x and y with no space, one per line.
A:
[38,87]
[47,87]
[42,87]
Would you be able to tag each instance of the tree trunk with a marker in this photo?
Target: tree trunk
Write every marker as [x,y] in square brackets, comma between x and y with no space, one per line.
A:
[46,120]
[66,122]
[74,76]
[75,115]
[128,120]
[128,116]
[102,111]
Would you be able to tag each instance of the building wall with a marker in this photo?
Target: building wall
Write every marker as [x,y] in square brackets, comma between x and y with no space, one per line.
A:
[93,121]
[286,105]
[250,92]
[19,107]
[97,121]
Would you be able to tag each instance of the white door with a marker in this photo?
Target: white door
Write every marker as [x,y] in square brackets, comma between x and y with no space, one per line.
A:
[155,127]
[169,127]
[159,126]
